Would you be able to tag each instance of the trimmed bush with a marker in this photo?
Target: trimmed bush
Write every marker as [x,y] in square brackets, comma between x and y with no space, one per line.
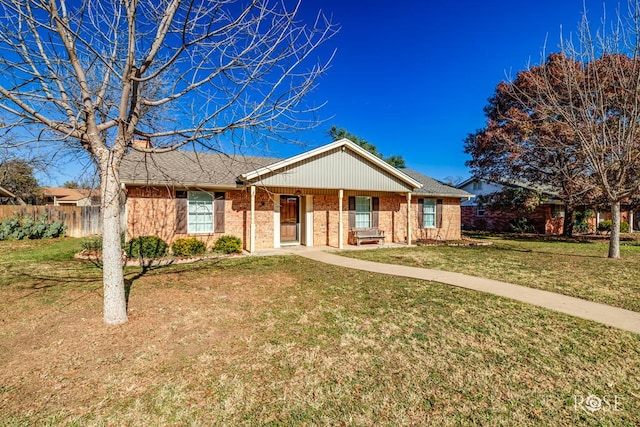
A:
[146,247]
[93,244]
[228,245]
[27,227]
[605,226]
[188,247]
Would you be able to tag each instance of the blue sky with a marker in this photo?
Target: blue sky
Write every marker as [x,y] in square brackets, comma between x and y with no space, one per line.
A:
[413,76]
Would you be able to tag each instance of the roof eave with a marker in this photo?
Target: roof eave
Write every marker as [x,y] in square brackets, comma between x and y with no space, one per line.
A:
[137,183]
[445,196]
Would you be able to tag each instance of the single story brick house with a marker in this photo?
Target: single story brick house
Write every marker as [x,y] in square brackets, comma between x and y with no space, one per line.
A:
[547,218]
[315,198]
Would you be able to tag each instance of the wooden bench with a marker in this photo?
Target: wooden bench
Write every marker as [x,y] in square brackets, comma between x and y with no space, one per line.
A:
[367,235]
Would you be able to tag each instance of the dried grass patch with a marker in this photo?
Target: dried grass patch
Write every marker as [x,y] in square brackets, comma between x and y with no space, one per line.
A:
[283,340]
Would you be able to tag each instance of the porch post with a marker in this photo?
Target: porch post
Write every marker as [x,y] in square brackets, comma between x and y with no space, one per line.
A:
[340,225]
[409,219]
[252,219]
[630,221]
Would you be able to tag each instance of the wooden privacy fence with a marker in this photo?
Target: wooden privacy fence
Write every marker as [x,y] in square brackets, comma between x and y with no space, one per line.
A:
[81,221]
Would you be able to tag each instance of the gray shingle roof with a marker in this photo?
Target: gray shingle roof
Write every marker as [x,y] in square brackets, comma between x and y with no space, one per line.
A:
[189,168]
[433,187]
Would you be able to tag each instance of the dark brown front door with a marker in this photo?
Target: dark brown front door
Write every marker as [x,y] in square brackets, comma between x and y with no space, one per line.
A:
[288,219]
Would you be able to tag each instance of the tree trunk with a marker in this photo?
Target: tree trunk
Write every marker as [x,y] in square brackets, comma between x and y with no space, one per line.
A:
[567,226]
[115,304]
[614,243]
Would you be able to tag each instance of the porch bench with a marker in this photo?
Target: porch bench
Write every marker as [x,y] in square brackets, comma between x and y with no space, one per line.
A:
[371,234]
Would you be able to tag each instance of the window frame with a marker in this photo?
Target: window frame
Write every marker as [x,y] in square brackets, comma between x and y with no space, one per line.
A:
[557,211]
[369,212]
[428,204]
[191,226]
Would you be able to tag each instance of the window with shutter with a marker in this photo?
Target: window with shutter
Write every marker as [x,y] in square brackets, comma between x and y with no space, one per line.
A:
[363,212]
[352,212]
[429,213]
[439,213]
[200,212]
[375,211]
[218,211]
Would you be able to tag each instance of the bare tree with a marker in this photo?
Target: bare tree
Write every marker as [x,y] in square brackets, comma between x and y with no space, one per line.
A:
[592,88]
[94,75]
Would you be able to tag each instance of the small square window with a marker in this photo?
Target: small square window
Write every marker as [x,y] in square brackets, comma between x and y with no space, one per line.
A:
[479,210]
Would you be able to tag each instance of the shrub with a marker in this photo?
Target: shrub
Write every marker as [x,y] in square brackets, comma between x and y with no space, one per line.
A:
[93,244]
[228,245]
[146,247]
[27,227]
[188,247]
[522,225]
[604,226]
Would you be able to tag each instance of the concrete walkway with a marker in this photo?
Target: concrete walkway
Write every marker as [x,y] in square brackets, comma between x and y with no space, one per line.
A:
[612,316]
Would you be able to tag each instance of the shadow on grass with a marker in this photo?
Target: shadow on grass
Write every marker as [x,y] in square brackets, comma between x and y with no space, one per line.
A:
[169,268]
[91,279]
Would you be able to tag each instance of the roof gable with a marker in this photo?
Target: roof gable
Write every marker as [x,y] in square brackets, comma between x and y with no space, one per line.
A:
[338,165]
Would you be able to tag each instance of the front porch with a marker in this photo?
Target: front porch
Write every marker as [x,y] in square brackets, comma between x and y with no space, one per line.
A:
[290,217]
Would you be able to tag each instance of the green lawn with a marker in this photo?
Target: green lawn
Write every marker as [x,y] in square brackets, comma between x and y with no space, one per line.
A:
[576,269]
[287,341]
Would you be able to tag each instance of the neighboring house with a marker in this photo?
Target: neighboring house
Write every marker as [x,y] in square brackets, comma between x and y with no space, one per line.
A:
[547,218]
[313,199]
[57,196]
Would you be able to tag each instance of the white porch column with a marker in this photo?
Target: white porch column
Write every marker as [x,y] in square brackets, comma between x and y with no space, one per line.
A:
[340,225]
[630,221]
[408,218]
[308,219]
[276,220]
[252,219]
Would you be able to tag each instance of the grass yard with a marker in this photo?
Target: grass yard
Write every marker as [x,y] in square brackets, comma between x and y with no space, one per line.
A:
[576,269]
[286,341]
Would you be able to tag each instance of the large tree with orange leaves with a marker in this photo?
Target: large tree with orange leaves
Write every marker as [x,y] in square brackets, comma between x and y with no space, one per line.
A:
[572,122]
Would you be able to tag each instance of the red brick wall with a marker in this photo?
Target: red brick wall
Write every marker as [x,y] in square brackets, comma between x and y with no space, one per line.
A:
[392,220]
[151,211]
[500,221]
[325,220]
[450,229]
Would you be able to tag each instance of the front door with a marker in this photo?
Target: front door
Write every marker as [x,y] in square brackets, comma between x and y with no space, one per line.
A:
[289,219]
